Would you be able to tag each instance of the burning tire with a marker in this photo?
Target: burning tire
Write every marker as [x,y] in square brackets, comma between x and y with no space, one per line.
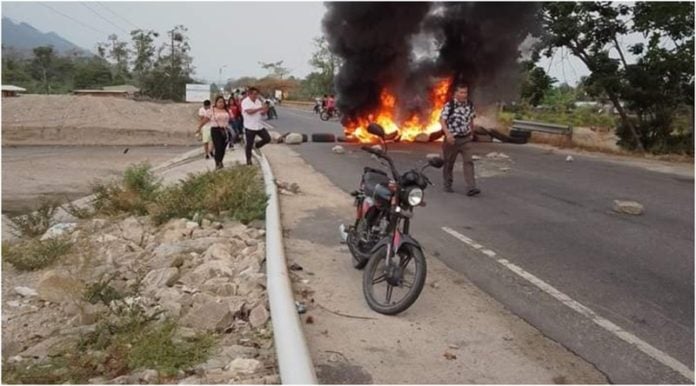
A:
[520,134]
[504,138]
[323,137]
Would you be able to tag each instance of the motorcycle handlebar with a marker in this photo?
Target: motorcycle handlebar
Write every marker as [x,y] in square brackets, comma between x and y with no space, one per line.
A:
[385,157]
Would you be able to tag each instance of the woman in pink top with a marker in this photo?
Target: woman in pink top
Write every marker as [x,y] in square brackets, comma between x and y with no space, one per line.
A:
[219,117]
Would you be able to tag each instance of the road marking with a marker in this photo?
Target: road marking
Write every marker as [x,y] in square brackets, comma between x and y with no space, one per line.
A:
[622,334]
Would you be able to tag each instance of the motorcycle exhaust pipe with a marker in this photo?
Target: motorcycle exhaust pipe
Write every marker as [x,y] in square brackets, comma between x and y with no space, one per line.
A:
[344,234]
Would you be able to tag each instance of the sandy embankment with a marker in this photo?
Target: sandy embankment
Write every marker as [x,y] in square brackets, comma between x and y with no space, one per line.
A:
[101,127]
[89,120]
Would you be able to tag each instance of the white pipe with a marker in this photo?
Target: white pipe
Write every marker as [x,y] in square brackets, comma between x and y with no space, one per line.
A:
[294,361]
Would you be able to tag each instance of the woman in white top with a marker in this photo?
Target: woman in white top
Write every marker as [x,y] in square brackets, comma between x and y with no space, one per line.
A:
[218,117]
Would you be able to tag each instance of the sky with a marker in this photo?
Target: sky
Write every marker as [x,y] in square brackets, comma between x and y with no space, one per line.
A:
[228,39]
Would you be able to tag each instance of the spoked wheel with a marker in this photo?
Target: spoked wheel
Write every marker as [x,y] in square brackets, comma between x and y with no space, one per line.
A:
[391,290]
[359,249]
[324,116]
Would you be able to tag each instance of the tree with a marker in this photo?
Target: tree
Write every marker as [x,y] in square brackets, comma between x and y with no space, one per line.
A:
[275,69]
[172,69]
[118,52]
[41,65]
[143,52]
[590,30]
[535,83]
[326,63]
[93,73]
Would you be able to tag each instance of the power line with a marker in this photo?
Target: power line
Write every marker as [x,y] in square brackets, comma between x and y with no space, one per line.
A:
[117,15]
[75,20]
[103,18]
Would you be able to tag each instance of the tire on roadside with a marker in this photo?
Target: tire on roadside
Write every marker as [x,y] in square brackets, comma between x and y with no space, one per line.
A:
[323,137]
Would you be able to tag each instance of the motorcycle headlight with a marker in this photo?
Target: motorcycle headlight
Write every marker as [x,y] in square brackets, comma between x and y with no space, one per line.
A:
[415,196]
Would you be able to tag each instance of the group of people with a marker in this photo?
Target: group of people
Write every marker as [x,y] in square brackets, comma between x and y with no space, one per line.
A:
[327,102]
[226,122]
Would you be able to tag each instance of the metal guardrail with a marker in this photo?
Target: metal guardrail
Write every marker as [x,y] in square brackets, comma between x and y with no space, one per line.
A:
[294,360]
[548,128]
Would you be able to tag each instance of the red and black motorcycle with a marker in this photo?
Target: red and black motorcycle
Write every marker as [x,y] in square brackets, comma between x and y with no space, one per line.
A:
[379,240]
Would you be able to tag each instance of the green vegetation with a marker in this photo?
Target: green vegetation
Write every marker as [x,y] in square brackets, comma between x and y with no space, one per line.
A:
[127,340]
[34,254]
[236,192]
[160,73]
[650,94]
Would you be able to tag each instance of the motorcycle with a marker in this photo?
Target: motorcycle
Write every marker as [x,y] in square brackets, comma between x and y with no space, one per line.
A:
[379,240]
[327,114]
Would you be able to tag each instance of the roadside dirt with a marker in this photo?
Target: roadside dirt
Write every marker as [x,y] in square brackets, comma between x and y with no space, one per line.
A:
[90,120]
[59,172]
[454,333]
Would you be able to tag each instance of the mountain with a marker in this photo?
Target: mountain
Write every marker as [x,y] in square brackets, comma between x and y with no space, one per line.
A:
[20,39]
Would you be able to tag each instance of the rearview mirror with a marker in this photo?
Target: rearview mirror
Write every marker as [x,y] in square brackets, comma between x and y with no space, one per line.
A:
[375,129]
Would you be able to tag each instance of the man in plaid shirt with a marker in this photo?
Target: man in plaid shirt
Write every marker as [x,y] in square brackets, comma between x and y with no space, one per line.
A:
[457,121]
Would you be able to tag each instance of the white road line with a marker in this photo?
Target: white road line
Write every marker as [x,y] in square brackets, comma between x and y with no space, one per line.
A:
[622,334]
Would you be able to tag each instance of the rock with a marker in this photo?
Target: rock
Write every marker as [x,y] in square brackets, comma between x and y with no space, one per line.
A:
[214,268]
[628,207]
[48,347]
[433,155]
[377,147]
[276,137]
[97,381]
[124,380]
[251,242]
[149,376]
[235,351]
[192,380]
[132,230]
[14,304]
[338,149]
[475,157]
[244,366]
[59,287]
[258,316]
[206,223]
[258,224]
[59,230]
[178,262]
[218,251]
[293,139]
[422,138]
[213,315]
[25,292]
[220,286]
[170,301]
[89,314]
[190,225]
[158,278]
[216,225]
[569,158]
[505,169]
[498,156]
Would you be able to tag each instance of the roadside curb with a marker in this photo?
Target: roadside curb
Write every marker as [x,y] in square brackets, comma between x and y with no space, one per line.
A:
[294,361]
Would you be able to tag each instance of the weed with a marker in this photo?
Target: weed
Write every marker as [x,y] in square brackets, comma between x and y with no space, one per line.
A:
[35,223]
[101,291]
[137,189]
[78,212]
[34,254]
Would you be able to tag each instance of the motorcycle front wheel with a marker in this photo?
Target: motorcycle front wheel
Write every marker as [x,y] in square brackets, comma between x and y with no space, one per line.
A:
[392,290]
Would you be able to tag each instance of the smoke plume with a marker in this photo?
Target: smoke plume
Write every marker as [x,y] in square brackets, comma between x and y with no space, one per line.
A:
[405,47]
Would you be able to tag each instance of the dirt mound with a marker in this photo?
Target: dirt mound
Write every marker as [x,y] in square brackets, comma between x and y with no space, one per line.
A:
[90,120]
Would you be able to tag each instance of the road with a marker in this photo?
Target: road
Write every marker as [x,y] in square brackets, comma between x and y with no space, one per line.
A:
[542,239]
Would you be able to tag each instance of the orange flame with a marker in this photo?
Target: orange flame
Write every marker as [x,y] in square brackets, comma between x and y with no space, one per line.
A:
[409,130]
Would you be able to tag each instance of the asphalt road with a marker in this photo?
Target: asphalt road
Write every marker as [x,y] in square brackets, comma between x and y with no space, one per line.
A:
[542,239]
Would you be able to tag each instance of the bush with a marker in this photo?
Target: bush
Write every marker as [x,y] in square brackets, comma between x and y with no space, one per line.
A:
[238,191]
[137,189]
[36,254]
[35,223]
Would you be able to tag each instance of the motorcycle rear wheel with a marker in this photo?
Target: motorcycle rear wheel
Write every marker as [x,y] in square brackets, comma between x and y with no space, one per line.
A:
[324,116]
[375,273]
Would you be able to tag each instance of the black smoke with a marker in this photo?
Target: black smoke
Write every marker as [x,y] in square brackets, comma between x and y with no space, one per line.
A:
[475,43]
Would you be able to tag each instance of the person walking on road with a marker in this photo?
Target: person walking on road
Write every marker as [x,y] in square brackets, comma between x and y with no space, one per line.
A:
[204,130]
[219,118]
[252,111]
[457,120]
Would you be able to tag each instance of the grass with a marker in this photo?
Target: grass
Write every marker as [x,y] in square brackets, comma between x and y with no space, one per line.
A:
[236,192]
[132,194]
[34,254]
[101,291]
[35,223]
[129,339]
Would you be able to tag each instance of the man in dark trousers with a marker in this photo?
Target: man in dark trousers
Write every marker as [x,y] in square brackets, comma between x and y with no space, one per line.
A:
[457,120]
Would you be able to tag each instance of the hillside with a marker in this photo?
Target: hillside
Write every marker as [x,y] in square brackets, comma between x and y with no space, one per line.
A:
[18,39]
